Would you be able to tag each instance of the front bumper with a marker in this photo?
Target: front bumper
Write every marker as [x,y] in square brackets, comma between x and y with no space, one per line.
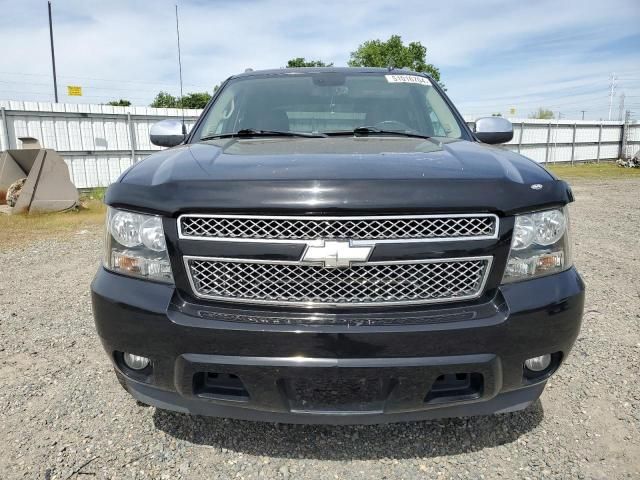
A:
[448,361]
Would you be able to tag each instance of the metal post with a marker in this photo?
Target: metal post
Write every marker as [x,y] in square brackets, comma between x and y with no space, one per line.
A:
[108,171]
[84,170]
[625,134]
[546,155]
[599,142]
[132,139]
[521,133]
[573,143]
[53,56]
[6,127]
[66,125]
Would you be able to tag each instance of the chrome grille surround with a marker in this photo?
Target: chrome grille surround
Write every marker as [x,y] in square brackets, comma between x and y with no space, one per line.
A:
[363,284]
[381,228]
[350,320]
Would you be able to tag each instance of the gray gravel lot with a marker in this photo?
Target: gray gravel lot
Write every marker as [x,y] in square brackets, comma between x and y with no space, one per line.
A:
[63,414]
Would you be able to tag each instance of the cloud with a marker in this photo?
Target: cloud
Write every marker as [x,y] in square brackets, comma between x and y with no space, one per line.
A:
[493,54]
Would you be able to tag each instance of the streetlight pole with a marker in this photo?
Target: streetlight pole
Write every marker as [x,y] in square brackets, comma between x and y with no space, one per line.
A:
[53,56]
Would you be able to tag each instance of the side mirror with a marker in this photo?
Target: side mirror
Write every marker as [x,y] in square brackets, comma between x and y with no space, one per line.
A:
[167,133]
[494,130]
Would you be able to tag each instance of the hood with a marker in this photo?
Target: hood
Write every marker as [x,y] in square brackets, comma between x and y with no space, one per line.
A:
[336,175]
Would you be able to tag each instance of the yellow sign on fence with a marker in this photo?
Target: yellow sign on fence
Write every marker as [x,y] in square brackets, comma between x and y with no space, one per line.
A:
[74,91]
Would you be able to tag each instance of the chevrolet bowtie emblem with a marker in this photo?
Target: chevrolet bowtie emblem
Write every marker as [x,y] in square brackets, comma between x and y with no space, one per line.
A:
[336,253]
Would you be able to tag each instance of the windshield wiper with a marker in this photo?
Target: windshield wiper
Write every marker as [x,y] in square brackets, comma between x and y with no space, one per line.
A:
[250,132]
[364,131]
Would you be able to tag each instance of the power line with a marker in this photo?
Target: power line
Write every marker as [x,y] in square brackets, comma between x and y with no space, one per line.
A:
[25,83]
[577,99]
[43,93]
[89,89]
[619,81]
[112,80]
[86,86]
[554,90]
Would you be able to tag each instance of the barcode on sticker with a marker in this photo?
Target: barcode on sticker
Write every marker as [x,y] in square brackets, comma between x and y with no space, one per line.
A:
[407,79]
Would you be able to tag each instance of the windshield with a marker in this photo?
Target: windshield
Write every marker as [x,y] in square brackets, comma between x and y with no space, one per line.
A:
[330,102]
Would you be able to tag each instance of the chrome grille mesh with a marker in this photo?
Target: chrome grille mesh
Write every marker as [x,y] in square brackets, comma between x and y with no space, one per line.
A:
[366,284]
[355,228]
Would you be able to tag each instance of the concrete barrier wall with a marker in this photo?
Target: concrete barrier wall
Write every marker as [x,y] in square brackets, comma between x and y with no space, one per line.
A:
[99,142]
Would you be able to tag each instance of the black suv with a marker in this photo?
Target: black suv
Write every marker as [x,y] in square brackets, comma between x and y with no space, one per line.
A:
[336,246]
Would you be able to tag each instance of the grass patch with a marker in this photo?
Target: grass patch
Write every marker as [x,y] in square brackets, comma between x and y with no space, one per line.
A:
[594,171]
[96,193]
[16,230]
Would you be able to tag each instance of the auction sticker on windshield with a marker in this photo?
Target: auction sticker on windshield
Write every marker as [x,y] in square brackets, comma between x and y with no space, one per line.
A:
[407,79]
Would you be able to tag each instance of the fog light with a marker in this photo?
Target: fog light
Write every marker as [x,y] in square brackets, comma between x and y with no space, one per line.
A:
[538,364]
[135,362]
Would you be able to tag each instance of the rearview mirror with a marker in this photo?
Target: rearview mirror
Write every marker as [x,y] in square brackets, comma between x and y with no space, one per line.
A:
[494,130]
[167,133]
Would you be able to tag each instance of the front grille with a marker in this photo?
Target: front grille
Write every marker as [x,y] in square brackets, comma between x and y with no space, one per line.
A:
[361,284]
[421,227]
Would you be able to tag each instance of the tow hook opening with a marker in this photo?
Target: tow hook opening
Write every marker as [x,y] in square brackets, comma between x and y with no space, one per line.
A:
[451,387]
[220,386]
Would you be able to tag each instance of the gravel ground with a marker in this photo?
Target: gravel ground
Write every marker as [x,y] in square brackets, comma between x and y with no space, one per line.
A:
[63,414]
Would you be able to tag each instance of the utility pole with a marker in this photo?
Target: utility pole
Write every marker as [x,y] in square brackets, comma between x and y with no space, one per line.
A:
[53,56]
[621,110]
[583,113]
[612,89]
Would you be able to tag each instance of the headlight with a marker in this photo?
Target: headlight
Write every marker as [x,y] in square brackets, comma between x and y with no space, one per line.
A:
[135,246]
[539,245]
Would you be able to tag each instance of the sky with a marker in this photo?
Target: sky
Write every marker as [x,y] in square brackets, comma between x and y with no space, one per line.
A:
[494,56]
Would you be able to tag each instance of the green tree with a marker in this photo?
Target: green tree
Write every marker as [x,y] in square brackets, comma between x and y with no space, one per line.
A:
[393,53]
[190,100]
[496,114]
[195,100]
[164,100]
[302,62]
[119,103]
[543,114]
